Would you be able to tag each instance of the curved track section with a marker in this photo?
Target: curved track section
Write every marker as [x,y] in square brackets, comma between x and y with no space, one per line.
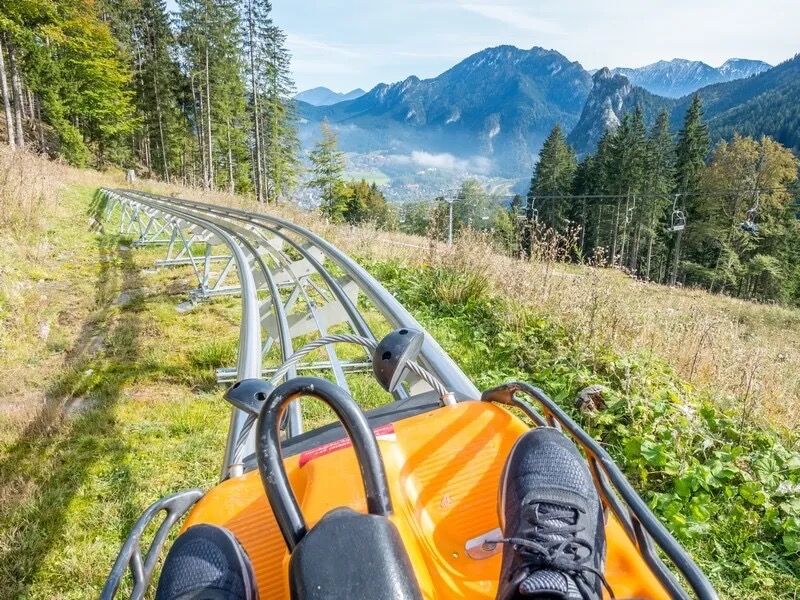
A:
[294,286]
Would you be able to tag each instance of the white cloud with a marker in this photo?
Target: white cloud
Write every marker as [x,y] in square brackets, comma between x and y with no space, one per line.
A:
[301,43]
[444,161]
[508,14]
[388,41]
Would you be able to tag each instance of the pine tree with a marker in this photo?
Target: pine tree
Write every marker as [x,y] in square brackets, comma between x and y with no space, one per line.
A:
[157,82]
[256,21]
[660,184]
[626,178]
[629,155]
[273,136]
[690,163]
[280,132]
[580,211]
[211,37]
[553,176]
[692,149]
[327,168]
[195,40]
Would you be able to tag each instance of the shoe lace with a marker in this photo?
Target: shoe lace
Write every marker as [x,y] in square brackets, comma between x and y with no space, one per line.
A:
[547,539]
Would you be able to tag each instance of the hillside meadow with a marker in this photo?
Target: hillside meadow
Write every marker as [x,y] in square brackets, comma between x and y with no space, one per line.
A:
[108,401]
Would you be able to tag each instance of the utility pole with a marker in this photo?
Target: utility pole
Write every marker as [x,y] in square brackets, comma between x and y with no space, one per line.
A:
[450,221]
[530,214]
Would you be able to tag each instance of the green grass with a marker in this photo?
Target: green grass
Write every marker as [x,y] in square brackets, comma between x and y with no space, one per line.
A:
[124,409]
[121,420]
[728,488]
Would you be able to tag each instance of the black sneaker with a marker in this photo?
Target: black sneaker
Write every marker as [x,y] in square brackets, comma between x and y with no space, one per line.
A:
[207,563]
[552,521]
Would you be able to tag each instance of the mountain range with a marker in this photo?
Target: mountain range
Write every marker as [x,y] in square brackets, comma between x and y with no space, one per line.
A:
[497,105]
[679,77]
[322,96]
[490,113]
[764,104]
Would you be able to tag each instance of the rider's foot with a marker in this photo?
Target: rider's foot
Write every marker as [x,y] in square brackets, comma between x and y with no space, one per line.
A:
[207,563]
[552,521]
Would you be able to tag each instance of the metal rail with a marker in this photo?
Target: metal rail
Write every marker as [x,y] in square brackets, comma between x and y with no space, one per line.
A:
[284,298]
[435,358]
[287,291]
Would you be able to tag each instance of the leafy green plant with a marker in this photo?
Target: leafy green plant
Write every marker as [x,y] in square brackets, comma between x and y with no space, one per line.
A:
[728,490]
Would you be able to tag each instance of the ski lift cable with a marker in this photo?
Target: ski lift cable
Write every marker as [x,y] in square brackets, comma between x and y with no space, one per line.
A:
[719,192]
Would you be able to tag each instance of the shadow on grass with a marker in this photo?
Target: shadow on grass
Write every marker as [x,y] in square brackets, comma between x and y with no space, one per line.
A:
[45,469]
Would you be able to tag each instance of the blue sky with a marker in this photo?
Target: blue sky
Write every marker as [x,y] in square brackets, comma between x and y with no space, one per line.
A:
[343,44]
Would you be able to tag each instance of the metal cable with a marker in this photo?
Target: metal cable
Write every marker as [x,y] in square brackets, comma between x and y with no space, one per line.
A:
[431,380]
[370,345]
[245,432]
[318,343]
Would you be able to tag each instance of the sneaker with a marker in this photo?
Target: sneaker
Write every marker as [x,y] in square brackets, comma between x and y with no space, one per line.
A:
[207,563]
[552,520]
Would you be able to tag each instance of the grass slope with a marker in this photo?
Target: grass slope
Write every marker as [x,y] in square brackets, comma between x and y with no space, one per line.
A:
[107,397]
[725,486]
[118,416]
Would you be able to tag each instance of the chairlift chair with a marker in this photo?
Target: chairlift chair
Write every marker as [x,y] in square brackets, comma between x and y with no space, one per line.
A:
[677,221]
[749,224]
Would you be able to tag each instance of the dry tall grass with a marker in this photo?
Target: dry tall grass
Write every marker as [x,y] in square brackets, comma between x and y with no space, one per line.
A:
[24,191]
[748,354]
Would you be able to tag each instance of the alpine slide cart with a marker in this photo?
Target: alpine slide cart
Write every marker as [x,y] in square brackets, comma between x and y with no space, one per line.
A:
[425,466]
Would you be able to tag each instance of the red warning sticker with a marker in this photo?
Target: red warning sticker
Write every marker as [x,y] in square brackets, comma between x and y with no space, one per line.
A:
[384,432]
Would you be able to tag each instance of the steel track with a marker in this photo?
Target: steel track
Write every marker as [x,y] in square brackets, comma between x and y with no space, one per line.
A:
[282,272]
[295,286]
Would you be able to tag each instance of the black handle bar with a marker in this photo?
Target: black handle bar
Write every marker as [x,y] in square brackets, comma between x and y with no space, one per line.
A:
[270,461]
